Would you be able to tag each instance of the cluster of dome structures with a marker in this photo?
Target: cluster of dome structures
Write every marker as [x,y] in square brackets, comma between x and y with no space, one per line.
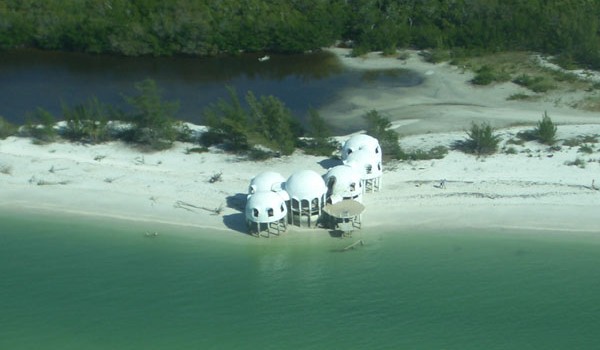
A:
[307,198]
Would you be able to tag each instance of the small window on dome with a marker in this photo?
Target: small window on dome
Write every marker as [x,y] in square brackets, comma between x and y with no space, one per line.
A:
[369,168]
[353,186]
[378,166]
[270,212]
[282,208]
[255,212]
[376,149]
[349,151]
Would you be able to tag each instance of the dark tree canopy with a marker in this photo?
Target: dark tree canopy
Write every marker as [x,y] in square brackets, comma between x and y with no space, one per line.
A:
[206,27]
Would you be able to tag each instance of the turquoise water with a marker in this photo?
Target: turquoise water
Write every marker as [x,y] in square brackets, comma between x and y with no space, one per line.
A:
[66,283]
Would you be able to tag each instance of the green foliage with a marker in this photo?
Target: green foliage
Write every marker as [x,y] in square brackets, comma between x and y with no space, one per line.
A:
[487,75]
[586,149]
[40,126]
[152,119]
[227,123]
[481,140]
[319,142]
[578,162]
[86,122]
[196,150]
[519,96]
[267,122]
[273,123]
[437,152]
[207,27]
[545,131]
[535,84]
[6,129]
[378,126]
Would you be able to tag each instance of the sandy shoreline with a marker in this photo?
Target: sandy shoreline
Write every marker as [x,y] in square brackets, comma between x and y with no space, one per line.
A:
[530,189]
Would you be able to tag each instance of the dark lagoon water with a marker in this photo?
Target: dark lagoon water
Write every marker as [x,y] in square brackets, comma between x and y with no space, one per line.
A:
[69,283]
[30,79]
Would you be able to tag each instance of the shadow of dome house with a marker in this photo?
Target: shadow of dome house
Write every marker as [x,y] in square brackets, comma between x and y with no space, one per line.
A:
[306,190]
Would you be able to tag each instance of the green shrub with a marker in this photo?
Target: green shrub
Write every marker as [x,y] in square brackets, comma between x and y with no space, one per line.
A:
[6,129]
[378,126]
[578,162]
[196,150]
[535,84]
[40,126]
[481,140]
[586,149]
[510,150]
[152,119]
[437,152]
[519,96]
[320,142]
[546,130]
[86,122]
[572,142]
[487,75]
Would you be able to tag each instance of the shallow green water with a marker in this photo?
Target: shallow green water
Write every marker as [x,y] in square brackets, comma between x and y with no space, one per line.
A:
[73,284]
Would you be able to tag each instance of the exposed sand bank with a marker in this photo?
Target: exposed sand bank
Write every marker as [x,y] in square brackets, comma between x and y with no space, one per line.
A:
[531,189]
[445,101]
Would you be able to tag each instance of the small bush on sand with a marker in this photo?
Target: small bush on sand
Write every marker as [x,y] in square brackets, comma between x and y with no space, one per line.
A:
[6,129]
[535,84]
[519,96]
[379,127]
[546,130]
[487,75]
[438,152]
[5,169]
[586,149]
[40,126]
[578,162]
[481,140]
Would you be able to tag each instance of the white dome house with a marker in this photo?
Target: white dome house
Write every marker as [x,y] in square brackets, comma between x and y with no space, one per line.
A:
[266,212]
[307,192]
[343,182]
[361,142]
[370,167]
[268,181]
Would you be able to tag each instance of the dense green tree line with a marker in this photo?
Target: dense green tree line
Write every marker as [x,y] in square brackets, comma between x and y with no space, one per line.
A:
[206,27]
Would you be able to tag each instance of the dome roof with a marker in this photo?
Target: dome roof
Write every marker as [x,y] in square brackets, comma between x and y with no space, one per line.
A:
[361,142]
[366,163]
[305,184]
[265,207]
[268,181]
[347,181]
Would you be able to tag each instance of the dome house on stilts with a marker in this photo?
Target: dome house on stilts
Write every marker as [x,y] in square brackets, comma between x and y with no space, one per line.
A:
[306,190]
[266,214]
[363,153]
[266,208]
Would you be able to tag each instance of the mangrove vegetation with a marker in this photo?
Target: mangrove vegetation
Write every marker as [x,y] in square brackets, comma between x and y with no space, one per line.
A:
[567,28]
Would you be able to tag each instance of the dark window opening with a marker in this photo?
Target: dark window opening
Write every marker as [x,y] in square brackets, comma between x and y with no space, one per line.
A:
[369,169]
[270,212]
[255,212]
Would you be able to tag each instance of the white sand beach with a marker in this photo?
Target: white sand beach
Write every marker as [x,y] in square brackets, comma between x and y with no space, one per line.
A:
[531,187]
